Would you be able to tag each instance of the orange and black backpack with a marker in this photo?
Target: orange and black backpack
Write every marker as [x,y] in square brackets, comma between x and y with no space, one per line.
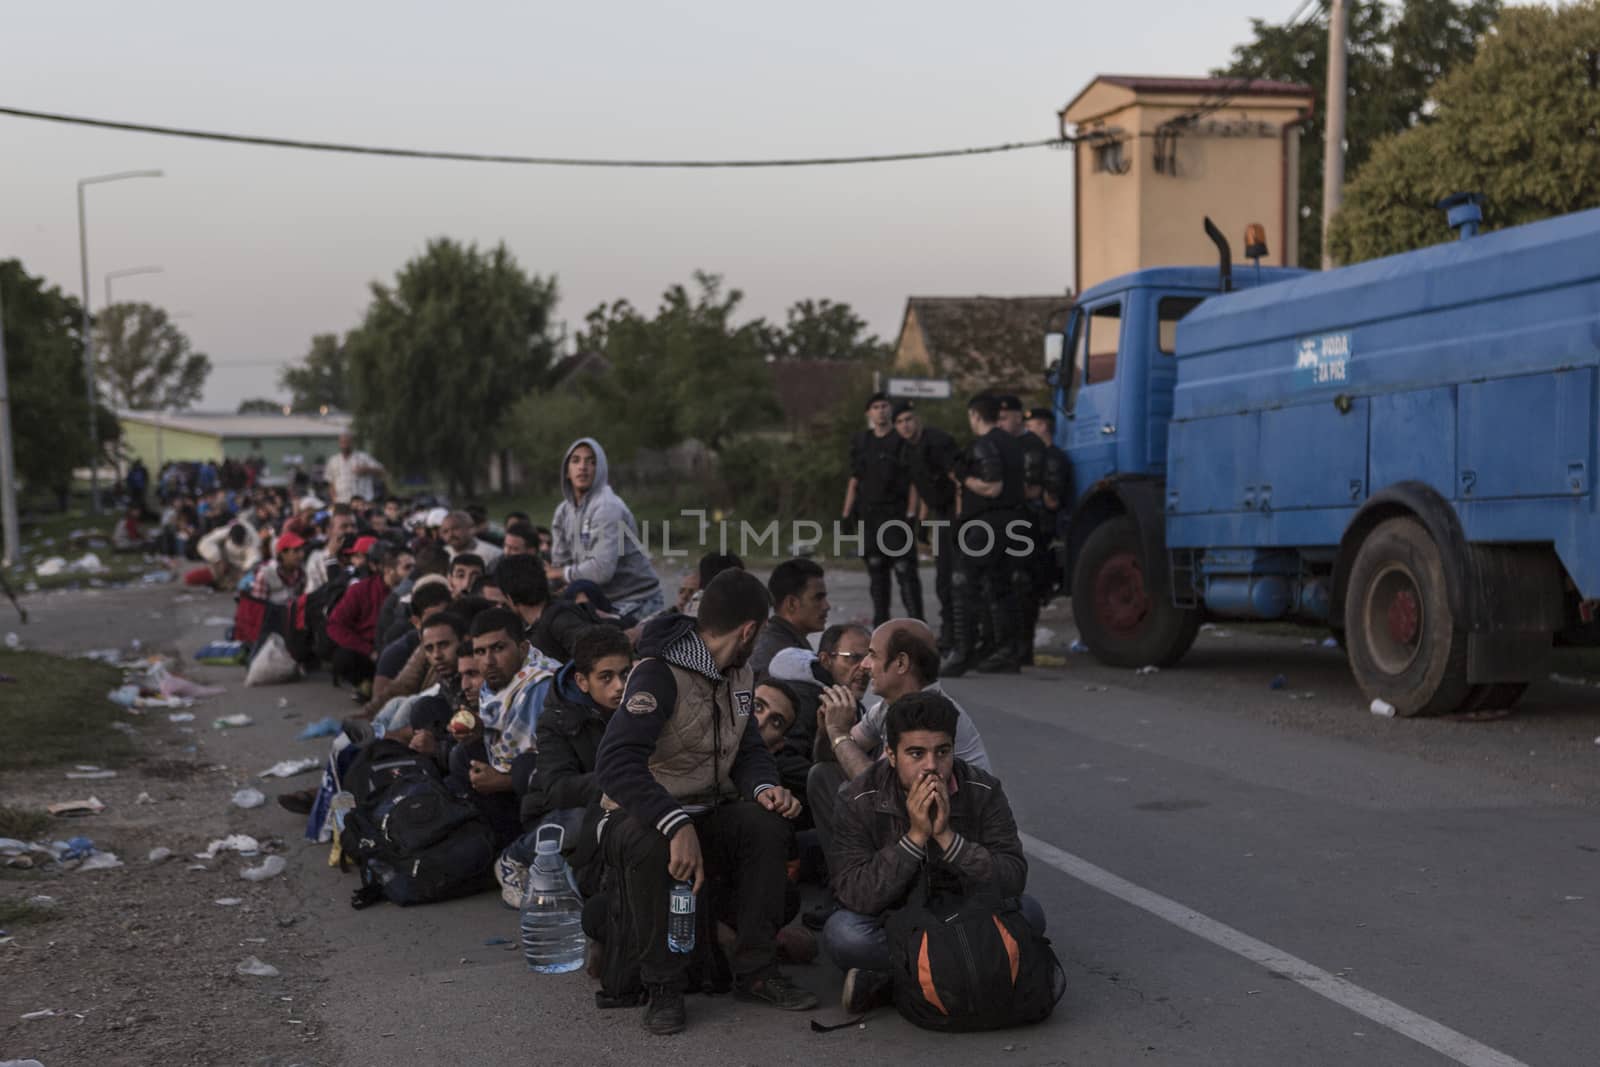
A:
[970,962]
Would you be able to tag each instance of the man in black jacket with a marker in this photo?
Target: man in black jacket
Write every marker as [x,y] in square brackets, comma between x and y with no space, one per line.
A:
[552,626]
[931,455]
[691,791]
[799,592]
[920,811]
[879,495]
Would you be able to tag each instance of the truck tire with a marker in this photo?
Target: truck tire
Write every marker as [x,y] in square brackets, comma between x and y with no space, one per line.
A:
[1123,625]
[1405,645]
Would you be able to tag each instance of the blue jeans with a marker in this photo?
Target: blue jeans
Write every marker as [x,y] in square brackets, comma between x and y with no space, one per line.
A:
[643,607]
[856,940]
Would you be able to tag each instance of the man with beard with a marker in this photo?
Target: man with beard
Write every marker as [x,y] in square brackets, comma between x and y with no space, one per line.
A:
[691,792]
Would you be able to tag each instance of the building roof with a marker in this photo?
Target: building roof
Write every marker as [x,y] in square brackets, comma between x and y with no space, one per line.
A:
[229,425]
[984,342]
[1159,85]
[807,389]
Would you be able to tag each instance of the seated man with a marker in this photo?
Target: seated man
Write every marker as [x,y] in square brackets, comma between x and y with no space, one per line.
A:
[711,564]
[920,809]
[353,623]
[552,626]
[494,771]
[430,561]
[774,715]
[459,534]
[426,602]
[280,582]
[520,540]
[799,609]
[230,552]
[465,570]
[443,635]
[685,769]
[840,660]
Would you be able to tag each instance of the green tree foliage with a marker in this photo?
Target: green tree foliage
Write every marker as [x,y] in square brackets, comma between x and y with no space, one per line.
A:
[318,380]
[1520,124]
[444,355]
[44,363]
[259,405]
[144,362]
[822,329]
[1398,52]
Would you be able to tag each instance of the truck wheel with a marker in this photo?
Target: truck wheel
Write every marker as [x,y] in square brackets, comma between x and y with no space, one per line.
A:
[1404,644]
[1119,620]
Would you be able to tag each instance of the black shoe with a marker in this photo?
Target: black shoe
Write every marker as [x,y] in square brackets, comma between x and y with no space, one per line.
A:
[772,987]
[864,990]
[1002,662]
[954,665]
[665,1013]
[816,918]
[299,802]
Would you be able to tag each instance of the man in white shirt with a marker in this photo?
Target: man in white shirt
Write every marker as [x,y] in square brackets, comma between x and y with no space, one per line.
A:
[457,534]
[349,473]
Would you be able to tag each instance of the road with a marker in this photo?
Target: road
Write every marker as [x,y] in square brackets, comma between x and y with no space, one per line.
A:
[1233,874]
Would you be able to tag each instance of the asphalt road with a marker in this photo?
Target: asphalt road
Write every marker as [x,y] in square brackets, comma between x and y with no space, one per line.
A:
[1233,874]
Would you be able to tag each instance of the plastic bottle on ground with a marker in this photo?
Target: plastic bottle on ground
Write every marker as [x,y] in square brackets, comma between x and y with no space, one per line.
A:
[552,912]
[680,917]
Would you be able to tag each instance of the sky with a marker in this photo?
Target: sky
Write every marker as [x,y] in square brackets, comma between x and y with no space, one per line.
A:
[263,248]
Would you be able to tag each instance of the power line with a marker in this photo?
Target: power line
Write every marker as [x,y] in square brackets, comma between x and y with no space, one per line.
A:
[537,161]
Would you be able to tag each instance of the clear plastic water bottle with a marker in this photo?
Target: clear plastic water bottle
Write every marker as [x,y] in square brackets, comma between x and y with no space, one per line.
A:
[680,917]
[552,910]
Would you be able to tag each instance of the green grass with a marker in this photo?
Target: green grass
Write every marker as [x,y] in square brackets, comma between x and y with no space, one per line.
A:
[58,529]
[57,712]
[24,824]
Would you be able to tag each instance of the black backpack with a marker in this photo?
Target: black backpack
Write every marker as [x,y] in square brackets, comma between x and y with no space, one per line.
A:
[970,962]
[307,635]
[414,840]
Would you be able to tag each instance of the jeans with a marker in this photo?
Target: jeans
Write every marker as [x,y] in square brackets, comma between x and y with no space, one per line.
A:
[856,940]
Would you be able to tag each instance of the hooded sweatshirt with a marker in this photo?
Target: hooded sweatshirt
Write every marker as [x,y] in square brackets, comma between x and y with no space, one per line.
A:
[597,540]
[568,732]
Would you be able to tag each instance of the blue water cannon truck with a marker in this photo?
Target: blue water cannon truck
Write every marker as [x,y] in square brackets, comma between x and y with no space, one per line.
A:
[1403,449]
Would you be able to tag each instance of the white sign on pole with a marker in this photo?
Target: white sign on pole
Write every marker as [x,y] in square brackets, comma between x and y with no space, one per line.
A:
[920,388]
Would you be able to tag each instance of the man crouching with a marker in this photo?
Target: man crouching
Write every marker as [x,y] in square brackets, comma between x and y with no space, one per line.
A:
[693,791]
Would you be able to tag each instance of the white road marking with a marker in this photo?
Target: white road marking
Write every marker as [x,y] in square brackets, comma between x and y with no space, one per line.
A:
[1402,1020]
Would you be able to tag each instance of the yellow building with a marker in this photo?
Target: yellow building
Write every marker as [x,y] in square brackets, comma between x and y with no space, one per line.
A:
[284,441]
[1164,153]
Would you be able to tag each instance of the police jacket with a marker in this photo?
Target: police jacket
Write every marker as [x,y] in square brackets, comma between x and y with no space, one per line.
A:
[994,457]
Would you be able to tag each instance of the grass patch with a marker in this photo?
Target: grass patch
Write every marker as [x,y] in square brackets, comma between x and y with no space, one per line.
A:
[57,712]
[15,913]
[24,824]
[69,534]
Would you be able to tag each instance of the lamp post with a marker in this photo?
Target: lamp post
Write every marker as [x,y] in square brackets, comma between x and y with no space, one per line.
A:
[126,272]
[88,332]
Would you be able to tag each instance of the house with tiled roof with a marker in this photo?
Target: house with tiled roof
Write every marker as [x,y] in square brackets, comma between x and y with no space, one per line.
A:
[978,342]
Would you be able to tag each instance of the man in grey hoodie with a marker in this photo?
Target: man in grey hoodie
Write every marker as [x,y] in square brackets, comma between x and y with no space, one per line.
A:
[596,538]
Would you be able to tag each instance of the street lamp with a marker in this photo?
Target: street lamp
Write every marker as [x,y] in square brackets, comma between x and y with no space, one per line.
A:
[88,333]
[126,272]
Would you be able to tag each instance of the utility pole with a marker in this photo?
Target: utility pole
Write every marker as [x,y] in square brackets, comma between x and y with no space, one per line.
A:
[1333,152]
[8,469]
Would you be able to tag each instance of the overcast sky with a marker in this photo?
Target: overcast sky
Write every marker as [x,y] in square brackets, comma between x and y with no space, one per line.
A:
[262,248]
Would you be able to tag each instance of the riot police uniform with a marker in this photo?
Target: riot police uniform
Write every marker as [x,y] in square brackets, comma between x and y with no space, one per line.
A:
[986,538]
[883,489]
[1054,482]
[930,459]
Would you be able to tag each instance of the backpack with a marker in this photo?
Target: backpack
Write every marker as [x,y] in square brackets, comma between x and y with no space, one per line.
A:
[414,840]
[308,638]
[970,963]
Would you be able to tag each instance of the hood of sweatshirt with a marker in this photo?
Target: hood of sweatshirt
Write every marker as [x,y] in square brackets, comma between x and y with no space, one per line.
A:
[602,472]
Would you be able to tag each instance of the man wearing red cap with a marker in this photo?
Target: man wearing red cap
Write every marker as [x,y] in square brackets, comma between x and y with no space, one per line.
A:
[280,582]
[353,624]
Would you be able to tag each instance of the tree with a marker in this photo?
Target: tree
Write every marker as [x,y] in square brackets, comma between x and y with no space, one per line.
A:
[1397,53]
[44,362]
[1520,124]
[144,362]
[822,329]
[259,405]
[444,354]
[319,379]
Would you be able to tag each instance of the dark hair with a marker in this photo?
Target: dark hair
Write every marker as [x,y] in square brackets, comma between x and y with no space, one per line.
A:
[430,595]
[920,711]
[1010,402]
[487,580]
[493,620]
[238,534]
[470,607]
[732,599]
[714,563]
[523,530]
[341,509]
[431,560]
[514,517]
[876,398]
[457,624]
[595,643]
[920,652]
[986,406]
[789,579]
[542,531]
[835,633]
[467,559]
[1043,415]
[523,580]
[477,511]
[788,693]
[392,500]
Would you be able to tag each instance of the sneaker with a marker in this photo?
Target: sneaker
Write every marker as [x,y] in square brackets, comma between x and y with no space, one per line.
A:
[299,802]
[513,879]
[773,987]
[796,944]
[864,990]
[665,1013]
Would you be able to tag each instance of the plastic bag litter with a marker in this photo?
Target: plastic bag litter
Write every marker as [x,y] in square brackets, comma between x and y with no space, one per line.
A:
[1043,637]
[159,855]
[320,728]
[1077,646]
[181,716]
[270,867]
[290,767]
[242,843]
[100,861]
[272,664]
[249,798]
[256,969]
[91,774]
[1330,642]
[92,806]
[41,901]
[21,1063]
[126,696]
[174,686]
[230,721]
[51,567]
[1148,668]
[1383,708]
[228,902]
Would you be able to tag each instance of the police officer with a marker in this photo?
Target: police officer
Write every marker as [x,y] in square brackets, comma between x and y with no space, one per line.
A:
[1022,565]
[992,529]
[931,455]
[879,495]
[1052,507]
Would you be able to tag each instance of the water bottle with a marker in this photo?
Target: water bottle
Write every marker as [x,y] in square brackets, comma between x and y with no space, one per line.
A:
[552,911]
[680,917]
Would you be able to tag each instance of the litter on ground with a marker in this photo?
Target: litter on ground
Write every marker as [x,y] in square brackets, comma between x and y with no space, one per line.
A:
[288,768]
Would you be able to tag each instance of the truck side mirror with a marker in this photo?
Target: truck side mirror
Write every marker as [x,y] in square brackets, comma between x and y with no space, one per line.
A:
[1054,345]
